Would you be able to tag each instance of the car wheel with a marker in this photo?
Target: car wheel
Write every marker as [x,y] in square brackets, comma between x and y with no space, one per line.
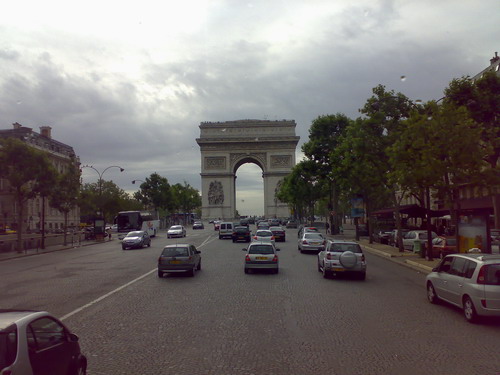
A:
[431,293]
[362,276]
[168,236]
[220,237]
[160,274]
[469,310]
[319,266]
[192,271]
[81,369]
[199,265]
[149,244]
[246,270]
[277,270]
[123,247]
[234,241]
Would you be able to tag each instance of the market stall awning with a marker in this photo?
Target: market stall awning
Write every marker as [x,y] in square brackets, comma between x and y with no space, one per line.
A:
[412,210]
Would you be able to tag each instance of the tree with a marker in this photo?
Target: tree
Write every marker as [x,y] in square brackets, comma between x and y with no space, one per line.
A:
[437,150]
[64,197]
[324,135]
[28,171]
[301,188]
[155,192]
[185,197]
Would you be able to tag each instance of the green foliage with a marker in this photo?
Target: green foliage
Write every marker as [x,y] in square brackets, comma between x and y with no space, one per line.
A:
[156,192]
[186,198]
[29,173]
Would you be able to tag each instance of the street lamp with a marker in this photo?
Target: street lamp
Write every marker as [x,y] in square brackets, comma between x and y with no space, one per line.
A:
[100,179]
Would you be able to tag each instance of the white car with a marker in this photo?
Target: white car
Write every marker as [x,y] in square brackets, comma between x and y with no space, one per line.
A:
[342,257]
[469,281]
[35,342]
[264,235]
[261,255]
[413,235]
[176,231]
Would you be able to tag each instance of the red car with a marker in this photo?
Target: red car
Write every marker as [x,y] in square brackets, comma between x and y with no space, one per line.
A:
[442,246]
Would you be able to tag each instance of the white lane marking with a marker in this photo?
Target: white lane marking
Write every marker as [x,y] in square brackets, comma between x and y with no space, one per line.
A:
[208,240]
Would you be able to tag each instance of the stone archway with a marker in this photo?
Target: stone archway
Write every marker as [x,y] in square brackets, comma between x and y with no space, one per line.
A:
[225,146]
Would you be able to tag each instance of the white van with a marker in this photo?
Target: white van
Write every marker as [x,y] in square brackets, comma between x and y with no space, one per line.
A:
[225,230]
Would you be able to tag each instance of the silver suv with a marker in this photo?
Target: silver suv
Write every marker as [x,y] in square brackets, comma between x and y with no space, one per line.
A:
[342,257]
[469,281]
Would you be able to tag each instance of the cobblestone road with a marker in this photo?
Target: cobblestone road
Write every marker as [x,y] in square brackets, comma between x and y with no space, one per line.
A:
[223,321]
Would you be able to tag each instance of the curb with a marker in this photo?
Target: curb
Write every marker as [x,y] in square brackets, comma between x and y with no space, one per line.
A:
[407,263]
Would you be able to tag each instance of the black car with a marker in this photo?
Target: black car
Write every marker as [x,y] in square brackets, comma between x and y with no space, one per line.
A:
[198,225]
[279,233]
[241,233]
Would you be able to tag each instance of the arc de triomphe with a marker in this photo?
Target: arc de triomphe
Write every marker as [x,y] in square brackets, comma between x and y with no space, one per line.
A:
[225,146]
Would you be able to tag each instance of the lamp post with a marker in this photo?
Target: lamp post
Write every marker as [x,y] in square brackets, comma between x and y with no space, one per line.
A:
[100,181]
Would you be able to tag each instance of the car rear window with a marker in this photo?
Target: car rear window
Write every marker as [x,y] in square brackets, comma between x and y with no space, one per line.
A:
[341,247]
[264,234]
[316,236]
[260,249]
[8,345]
[492,274]
[175,252]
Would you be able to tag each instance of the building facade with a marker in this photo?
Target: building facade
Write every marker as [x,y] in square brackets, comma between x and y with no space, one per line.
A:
[62,157]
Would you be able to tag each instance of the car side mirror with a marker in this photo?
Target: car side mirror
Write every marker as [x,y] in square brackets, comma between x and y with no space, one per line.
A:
[73,337]
[278,249]
[198,252]
[244,249]
[435,269]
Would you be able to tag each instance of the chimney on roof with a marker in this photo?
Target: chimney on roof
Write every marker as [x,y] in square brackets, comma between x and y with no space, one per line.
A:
[45,131]
[17,125]
[494,59]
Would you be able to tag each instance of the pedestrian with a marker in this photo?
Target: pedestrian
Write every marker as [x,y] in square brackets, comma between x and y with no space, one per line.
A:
[327,227]
[108,231]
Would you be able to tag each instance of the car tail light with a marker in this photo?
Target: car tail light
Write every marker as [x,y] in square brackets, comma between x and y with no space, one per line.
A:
[362,257]
[483,302]
[329,256]
[275,259]
[247,258]
[272,238]
[254,237]
[480,275]
[304,242]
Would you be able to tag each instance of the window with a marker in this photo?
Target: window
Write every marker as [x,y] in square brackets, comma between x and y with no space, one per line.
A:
[470,267]
[446,265]
[47,333]
[8,347]
[458,266]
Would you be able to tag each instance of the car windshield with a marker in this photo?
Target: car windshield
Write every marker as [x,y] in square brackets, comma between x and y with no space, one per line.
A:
[175,227]
[134,234]
[261,249]
[264,234]
[175,252]
[341,247]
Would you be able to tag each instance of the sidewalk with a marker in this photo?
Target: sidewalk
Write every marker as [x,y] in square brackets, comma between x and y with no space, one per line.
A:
[6,255]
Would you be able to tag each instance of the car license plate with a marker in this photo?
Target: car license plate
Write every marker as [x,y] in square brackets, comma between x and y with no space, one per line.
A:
[175,262]
[337,269]
[261,258]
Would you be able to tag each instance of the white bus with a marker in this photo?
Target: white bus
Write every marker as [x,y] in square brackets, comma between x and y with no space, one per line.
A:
[128,221]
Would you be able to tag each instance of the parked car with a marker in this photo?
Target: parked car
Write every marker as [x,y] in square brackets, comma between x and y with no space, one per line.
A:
[311,242]
[198,225]
[176,231]
[363,230]
[136,240]
[261,255]
[36,342]
[241,233]
[179,258]
[342,257]
[442,246]
[306,229]
[413,235]
[225,230]
[469,281]
[382,236]
[393,237]
[279,233]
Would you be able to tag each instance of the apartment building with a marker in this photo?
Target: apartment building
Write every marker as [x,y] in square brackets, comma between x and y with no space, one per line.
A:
[61,156]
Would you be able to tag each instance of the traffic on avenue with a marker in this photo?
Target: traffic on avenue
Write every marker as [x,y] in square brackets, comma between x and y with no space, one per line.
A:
[220,319]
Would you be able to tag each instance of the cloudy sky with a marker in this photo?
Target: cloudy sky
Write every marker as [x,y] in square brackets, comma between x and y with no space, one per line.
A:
[128,82]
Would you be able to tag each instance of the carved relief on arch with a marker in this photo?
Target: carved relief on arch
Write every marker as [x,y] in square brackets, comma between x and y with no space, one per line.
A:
[215,162]
[280,161]
[276,191]
[260,158]
[215,193]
